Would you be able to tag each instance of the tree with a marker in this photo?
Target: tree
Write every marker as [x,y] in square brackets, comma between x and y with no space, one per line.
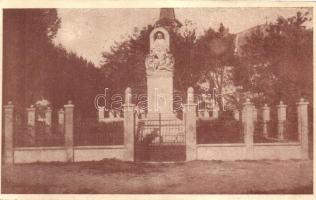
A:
[214,54]
[34,68]
[28,33]
[277,64]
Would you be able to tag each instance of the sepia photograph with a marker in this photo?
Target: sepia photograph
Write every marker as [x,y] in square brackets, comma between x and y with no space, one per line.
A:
[160,100]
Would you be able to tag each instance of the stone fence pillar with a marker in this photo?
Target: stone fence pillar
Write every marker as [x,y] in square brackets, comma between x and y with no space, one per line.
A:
[69,131]
[236,115]
[303,126]
[190,126]
[248,123]
[281,111]
[101,113]
[255,114]
[31,118]
[265,119]
[8,133]
[215,111]
[48,119]
[128,109]
[61,121]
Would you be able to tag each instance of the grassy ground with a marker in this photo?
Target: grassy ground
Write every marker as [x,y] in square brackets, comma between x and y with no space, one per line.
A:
[196,177]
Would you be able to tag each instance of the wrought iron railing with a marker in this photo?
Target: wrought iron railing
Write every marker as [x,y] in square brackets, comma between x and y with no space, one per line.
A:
[160,131]
[90,132]
[39,135]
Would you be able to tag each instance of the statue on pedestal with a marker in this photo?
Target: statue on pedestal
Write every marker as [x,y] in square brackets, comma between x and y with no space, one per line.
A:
[159,58]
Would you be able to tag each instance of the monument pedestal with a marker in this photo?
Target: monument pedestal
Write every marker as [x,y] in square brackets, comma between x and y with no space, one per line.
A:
[160,94]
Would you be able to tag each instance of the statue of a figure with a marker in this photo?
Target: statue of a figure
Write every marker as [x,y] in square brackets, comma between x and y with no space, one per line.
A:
[160,46]
[159,57]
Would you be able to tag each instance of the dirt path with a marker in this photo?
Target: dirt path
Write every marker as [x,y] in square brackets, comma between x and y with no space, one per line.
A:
[197,177]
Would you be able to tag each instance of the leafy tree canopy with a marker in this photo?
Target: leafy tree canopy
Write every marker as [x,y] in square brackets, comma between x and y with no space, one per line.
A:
[277,64]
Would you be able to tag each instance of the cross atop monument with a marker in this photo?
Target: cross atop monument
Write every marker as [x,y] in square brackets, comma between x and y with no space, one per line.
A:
[167,18]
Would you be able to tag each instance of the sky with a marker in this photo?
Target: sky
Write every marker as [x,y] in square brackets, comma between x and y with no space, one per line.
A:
[89,32]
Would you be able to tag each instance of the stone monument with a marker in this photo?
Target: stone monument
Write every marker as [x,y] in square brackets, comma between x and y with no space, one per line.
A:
[159,69]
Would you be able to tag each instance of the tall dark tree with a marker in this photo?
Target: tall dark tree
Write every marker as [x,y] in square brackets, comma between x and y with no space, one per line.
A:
[278,64]
[35,68]
[27,39]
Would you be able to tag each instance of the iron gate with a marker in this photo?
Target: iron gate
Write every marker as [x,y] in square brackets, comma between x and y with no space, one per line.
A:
[160,140]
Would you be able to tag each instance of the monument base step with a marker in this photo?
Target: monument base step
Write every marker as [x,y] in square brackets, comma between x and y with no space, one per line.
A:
[162,116]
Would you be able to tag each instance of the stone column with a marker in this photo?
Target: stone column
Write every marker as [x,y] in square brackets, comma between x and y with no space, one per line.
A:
[302,113]
[281,111]
[265,119]
[248,123]
[48,119]
[100,113]
[215,112]
[128,109]
[236,115]
[31,124]
[255,114]
[8,133]
[61,121]
[190,126]
[69,131]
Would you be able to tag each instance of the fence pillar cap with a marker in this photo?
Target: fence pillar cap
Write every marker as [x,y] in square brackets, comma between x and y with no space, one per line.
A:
[281,105]
[302,102]
[69,104]
[9,105]
[190,95]
[128,91]
[265,107]
[190,90]
[128,97]
[31,108]
[248,102]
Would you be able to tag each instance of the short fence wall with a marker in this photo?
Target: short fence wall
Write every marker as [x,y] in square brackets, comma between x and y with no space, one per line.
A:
[278,151]
[39,154]
[59,154]
[96,153]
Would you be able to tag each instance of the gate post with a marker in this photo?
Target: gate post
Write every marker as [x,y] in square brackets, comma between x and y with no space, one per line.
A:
[190,126]
[128,109]
[69,131]
[303,126]
[8,133]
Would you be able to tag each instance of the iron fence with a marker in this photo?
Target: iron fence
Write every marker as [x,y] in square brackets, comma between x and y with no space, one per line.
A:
[290,126]
[89,132]
[39,135]
[160,132]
